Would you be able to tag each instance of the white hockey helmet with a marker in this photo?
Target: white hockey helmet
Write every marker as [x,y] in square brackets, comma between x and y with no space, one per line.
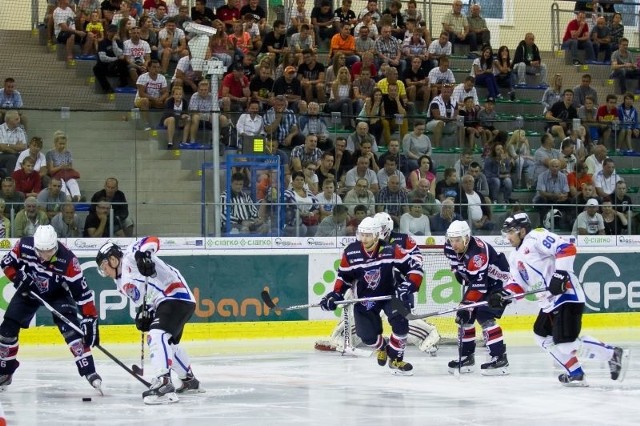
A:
[458,228]
[386,224]
[45,238]
[368,226]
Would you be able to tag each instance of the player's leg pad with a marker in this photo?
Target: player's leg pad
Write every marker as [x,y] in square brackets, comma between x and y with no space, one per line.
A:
[498,366]
[573,380]
[161,391]
[619,363]
[465,365]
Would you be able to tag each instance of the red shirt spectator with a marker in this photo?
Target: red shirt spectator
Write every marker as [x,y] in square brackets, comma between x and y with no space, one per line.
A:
[27,182]
[235,81]
[153,4]
[356,69]
[576,25]
[228,13]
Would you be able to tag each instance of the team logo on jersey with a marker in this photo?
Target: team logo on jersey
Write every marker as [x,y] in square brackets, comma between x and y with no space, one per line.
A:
[131,291]
[479,243]
[372,278]
[477,262]
[43,285]
[4,352]
[77,348]
[76,265]
[522,270]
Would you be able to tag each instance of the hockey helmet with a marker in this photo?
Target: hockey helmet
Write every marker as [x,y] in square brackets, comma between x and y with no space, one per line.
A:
[105,252]
[386,224]
[45,238]
[552,218]
[369,226]
[516,222]
[458,228]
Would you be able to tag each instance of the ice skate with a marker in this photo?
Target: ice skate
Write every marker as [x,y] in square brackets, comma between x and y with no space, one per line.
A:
[464,367]
[381,355]
[160,392]
[190,385]
[400,367]
[5,380]
[618,363]
[498,366]
[574,380]
[95,380]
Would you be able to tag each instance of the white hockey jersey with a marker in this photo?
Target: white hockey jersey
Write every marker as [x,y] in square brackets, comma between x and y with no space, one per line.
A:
[167,284]
[533,263]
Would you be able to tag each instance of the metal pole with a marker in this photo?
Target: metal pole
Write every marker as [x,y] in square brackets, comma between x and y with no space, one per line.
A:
[217,70]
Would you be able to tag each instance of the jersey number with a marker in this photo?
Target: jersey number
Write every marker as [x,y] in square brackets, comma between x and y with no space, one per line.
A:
[548,241]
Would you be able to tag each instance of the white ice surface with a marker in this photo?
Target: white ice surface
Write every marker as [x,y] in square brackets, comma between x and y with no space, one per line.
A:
[286,382]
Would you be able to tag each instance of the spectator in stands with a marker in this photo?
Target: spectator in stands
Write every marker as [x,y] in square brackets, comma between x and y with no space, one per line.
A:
[616,31]
[606,179]
[568,149]
[327,198]
[372,113]
[396,107]
[623,65]
[151,6]
[503,70]
[367,151]
[172,44]
[552,188]
[416,82]
[545,154]
[261,87]
[10,98]
[340,99]
[152,91]
[364,42]
[148,34]
[393,17]
[111,61]
[326,170]
[29,219]
[561,114]
[308,152]
[423,192]
[176,115]
[137,53]
[393,150]
[463,163]
[519,150]
[40,162]
[322,21]
[552,94]
[67,223]
[291,88]
[366,21]
[392,199]
[334,224]
[302,208]
[125,21]
[615,222]
[281,124]
[472,128]
[440,222]
[478,25]
[275,42]
[5,223]
[629,126]
[576,36]
[583,90]
[343,161]
[587,114]
[253,7]
[314,124]
[487,116]
[360,135]
[109,8]
[13,140]
[64,20]
[97,225]
[448,187]
[457,25]
[241,210]
[182,17]
[443,111]
[497,169]
[415,222]
[389,50]
[440,48]
[594,162]
[480,183]
[466,89]
[118,201]
[589,222]
[27,180]
[343,42]
[440,76]
[416,144]
[251,122]
[414,46]
[470,206]
[60,165]
[228,13]
[360,195]
[606,115]
[601,39]
[51,198]
[390,168]
[527,60]
[202,14]
[311,74]
[14,200]
[577,179]
[363,170]
[621,201]
[482,69]
[235,92]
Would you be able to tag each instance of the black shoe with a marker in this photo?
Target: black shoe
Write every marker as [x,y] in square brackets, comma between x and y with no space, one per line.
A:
[161,391]
[464,366]
[190,385]
[498,366]
[170,145]
[574,380]
[576,62]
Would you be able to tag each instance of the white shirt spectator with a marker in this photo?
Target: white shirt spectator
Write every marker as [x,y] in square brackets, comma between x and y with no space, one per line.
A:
[63,16]
[593,224]
[459,94]
[178,35]
[415,225]
[250,126]
[438,77]
[137,51]
[184,65]
[475,209]
[12,137]
[435,48]
[12,101]
[383,178]
[153,87]
[131,21]
[606,184]
[373,30]
[352,176]
[41,161]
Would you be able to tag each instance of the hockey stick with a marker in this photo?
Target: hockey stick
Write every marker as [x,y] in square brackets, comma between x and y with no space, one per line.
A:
[266,298]
[400,308]
[140,370]
[79,331]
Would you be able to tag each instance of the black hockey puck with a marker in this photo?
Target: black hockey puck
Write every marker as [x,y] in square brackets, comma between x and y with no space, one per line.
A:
[86,399]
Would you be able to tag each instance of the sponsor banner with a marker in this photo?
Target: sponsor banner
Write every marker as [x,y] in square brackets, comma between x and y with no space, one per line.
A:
[596,240]
[238,243]
[93,244]
[628,241]
[320,242]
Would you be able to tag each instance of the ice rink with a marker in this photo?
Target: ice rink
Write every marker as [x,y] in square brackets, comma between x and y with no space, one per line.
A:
[286,382]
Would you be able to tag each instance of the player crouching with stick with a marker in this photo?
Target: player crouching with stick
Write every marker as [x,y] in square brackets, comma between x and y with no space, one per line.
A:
[142,276]
[367,267]
[542,259]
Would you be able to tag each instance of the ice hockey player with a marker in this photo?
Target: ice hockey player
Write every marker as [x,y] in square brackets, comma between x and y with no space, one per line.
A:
[542,259]
[367,267]
[164,305]
[481,271]
[42,265]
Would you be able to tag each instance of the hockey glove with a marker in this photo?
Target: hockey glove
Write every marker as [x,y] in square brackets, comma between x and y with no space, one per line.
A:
[328,302]
[144,317]
[463,316]
[497,300]
[89,327]
[146,267]
[24,283]
[558,283]
[405,291]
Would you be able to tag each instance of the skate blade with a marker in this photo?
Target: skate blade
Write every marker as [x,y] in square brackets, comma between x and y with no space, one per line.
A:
[97,385]
[501,371]
[402,373]
[624,364]
[463,370]
[192,391]
[168,398]
[581,384]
